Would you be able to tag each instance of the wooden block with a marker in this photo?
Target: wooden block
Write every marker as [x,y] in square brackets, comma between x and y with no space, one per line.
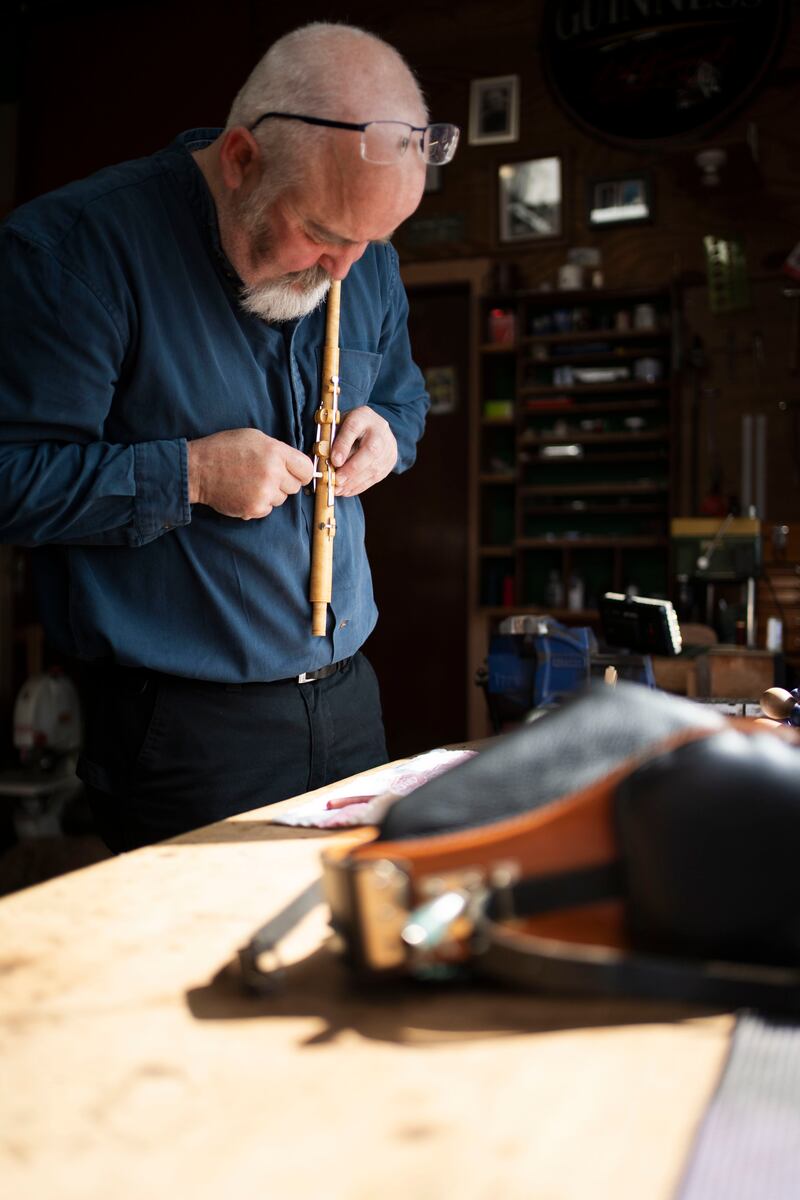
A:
[735,673]
[675,674]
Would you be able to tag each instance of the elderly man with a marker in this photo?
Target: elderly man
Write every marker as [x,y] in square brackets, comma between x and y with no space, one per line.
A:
[160,347]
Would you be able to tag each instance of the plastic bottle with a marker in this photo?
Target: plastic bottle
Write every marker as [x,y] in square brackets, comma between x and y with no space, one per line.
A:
[554,590]
[575,593]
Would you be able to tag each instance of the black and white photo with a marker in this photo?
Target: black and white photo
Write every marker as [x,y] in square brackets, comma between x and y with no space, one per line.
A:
[494,110]
[530,199]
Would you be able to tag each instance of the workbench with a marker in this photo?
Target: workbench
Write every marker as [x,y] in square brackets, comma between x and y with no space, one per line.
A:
[133,1064]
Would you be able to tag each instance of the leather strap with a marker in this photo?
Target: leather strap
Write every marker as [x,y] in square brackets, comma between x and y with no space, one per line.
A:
[563,928]
[506,951]
[320,673]
[259,960]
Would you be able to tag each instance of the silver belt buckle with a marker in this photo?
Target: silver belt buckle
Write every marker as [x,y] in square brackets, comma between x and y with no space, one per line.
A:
[305,678]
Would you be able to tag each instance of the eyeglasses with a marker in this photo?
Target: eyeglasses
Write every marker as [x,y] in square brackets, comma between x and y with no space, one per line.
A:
[387,141]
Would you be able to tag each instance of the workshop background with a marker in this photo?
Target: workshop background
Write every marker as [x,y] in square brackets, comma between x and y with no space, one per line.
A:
[669,132]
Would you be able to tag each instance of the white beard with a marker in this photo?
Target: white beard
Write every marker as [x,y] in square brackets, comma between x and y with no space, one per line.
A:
[288,298]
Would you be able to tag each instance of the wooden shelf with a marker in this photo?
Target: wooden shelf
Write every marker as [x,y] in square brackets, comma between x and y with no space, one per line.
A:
[540,610]
[579,437]
[573,297]
[596,460]
[592,489]
[607,543]
[638,506]
[595,406]
[593,510]
[596,335]
[590,389]
[587,356]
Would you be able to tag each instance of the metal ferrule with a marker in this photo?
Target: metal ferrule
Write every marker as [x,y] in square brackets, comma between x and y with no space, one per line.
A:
[387,923]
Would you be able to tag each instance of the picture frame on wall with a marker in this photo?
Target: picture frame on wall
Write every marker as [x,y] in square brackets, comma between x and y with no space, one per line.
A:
[623,200]
[494,110]
[531,199]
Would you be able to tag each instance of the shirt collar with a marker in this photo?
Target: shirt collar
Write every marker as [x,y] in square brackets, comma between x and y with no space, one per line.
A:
[198,193]
[202,202]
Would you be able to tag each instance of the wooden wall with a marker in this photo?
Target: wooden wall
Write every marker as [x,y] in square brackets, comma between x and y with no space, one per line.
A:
[752,356]
[101,81]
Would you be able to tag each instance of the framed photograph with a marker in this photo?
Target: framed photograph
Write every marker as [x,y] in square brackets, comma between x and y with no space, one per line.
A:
[624,201]
[530,199]
[494,110]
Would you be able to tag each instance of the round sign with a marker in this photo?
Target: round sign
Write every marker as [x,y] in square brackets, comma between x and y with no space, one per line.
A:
[641,72]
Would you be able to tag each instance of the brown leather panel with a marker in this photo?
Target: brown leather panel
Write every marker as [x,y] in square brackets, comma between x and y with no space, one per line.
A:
[576,831]
[571,833]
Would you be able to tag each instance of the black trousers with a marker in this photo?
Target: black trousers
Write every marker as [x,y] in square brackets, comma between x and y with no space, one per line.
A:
[164,755]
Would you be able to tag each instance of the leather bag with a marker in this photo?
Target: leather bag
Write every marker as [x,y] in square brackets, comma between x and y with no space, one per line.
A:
[630,842]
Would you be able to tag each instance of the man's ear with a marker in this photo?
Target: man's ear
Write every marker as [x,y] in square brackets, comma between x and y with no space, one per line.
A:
[239,157]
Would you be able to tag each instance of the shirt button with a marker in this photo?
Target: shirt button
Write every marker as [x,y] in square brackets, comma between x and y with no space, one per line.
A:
[343,623]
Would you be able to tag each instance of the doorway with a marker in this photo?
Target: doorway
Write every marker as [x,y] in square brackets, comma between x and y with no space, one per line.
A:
[417,542]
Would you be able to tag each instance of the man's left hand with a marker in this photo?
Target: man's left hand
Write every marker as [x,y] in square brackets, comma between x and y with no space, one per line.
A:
[365,449]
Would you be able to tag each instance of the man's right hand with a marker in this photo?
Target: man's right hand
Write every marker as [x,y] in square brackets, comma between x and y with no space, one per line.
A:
[243,473]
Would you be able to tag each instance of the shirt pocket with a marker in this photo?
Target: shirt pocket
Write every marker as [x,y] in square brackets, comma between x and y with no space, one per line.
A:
[358,370]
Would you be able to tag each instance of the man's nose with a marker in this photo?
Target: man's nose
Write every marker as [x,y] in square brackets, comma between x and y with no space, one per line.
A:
[337,262]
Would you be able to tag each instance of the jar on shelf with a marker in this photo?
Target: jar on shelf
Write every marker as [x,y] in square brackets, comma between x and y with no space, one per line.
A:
[575,593]
[644,316]
[649,370]
[501,326]
[554,590]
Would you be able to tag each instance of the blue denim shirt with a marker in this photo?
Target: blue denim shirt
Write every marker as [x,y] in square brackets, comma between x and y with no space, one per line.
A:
[121,338]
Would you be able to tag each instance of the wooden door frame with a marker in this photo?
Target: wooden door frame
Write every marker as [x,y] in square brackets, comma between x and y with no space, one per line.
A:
[474,273]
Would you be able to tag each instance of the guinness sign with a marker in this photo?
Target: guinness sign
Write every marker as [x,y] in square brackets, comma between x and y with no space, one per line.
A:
[640,72]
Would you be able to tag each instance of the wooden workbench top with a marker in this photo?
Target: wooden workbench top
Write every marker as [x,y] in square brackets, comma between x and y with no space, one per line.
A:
[132,1064]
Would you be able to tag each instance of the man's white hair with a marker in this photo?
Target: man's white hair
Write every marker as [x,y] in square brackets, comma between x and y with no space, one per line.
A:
[322,70]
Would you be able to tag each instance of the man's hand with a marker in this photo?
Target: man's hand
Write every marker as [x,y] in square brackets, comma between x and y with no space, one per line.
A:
[365,449]
[243,473]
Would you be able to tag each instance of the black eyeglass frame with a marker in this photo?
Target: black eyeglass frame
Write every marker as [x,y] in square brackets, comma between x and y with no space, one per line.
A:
[358,127]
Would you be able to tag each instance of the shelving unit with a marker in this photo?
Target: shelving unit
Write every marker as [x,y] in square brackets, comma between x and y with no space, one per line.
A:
[575,470]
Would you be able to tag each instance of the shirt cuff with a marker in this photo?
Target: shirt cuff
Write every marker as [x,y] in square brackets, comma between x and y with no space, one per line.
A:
[161,472]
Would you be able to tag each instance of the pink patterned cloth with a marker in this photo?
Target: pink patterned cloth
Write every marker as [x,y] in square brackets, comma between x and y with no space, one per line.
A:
[365,799]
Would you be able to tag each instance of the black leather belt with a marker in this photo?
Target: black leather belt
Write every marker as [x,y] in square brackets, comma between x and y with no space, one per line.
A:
[136,678]
[320,673]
